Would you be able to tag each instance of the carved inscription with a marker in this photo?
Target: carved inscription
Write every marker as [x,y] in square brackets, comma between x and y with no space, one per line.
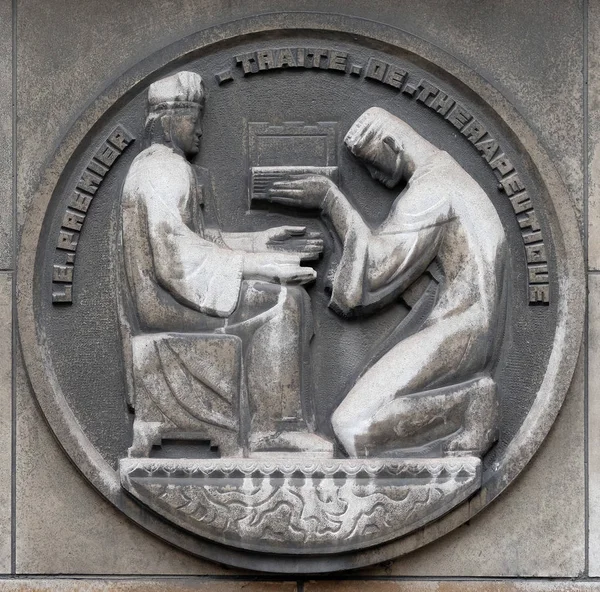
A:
[77,208]
[292,57]
[509,182]
[445,105]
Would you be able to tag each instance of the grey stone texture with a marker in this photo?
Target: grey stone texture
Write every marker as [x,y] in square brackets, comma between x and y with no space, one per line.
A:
[594,138]
[6,283]
[100,41]
[158,585]
[215,585]
[159,180]
[533,53]
[6,133]
[594,288]
[452,586]
[594,425]
[177,357]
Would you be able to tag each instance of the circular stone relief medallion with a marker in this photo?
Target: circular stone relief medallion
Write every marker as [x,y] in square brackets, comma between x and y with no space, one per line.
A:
[303,295]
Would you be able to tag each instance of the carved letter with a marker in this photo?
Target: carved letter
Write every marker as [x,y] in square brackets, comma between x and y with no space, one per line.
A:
[474,131]
[247,61]
[80,201]
[338,60]
[265,59]
[442,103]
[317,54]
[67,240]
[502,164]
[536,253]
[530,220]
[65,296]
[539,293]
[73,220]
[532,237]
[89,182]
[285,59]
[427,90]
[97,168]
[538,274]
[62,273]
[120,138]
[107,154]
[487,148]
[521,202]
[458,116]
[512,184]
[394,76]
[375,69]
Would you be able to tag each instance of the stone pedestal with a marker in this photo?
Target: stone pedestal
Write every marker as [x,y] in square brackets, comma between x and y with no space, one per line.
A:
[324,506]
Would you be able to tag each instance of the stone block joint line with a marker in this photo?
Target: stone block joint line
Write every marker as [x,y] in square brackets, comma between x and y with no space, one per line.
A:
[586,157]
[13,437]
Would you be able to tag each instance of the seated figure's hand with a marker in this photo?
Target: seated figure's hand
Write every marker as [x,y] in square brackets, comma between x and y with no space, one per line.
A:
[302,191]
[282,268]
[292,239]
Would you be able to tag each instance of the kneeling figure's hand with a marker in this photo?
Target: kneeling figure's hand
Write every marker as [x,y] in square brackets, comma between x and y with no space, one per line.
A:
[301,191]
[291,239]
[282,268]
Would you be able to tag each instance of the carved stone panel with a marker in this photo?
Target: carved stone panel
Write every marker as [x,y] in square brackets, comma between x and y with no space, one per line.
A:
[300,300]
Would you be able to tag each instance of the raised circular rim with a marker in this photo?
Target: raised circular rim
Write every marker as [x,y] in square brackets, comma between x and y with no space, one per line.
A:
[550,396]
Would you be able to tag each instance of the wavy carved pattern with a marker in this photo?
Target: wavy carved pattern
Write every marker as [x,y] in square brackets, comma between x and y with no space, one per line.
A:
[320,506]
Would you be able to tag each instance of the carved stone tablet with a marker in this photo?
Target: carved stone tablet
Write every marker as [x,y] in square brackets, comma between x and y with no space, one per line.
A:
[303,295]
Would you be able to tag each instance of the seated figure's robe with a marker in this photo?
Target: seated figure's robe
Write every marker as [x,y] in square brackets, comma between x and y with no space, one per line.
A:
[189,311]
[174,273]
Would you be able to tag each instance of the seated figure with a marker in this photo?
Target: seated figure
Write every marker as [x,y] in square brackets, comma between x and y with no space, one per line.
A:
[432,391]
[216,325]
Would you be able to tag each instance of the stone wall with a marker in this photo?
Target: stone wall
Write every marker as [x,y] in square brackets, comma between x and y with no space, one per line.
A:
[56,532]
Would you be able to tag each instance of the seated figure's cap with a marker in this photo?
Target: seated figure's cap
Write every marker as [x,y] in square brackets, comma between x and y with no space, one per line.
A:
[184,89]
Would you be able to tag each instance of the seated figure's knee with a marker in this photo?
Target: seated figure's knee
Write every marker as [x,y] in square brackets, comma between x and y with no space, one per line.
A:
[296,310]
[296,298]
